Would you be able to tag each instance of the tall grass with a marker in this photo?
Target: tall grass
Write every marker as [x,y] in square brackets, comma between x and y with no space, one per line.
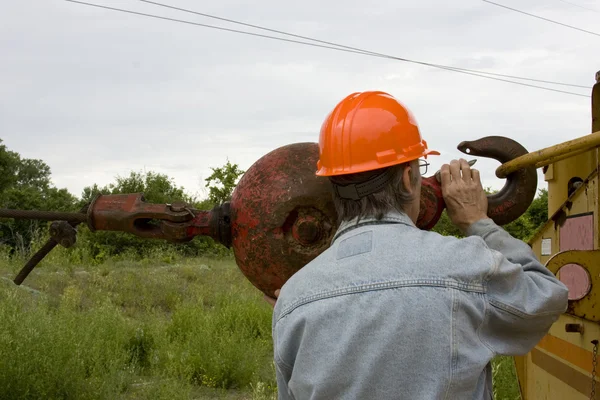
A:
[168,328]
[155,327]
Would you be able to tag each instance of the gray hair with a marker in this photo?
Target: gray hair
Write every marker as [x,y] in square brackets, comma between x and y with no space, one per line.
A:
[393,197]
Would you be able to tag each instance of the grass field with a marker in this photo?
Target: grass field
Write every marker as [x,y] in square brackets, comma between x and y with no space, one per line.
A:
[158,328]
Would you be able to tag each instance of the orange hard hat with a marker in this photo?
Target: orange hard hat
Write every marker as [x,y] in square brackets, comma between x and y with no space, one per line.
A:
[368,131]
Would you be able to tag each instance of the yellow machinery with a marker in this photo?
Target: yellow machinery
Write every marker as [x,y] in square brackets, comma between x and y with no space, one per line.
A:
[563,364]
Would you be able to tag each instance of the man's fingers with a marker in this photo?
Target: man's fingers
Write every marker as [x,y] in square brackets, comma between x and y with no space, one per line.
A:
[455,170]
[272,300]
[445,175]
[269,300]
[476,176]
[466,170]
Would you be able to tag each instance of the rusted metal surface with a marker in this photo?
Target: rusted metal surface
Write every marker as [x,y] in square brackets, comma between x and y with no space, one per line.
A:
[61,232]
[282,216]
[432,203]
[176,222]
[130,213]
[585,307]
[215,223]
[520,187]
[35,260]
[550,155]
[43,215]
[503,207]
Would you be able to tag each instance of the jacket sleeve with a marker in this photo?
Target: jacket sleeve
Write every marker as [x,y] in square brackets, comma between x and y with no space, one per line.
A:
[523,298]
[283,392]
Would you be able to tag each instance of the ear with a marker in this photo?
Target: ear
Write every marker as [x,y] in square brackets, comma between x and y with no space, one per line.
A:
[406,178]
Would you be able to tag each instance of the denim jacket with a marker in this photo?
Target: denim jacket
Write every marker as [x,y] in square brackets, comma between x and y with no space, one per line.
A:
[390,311]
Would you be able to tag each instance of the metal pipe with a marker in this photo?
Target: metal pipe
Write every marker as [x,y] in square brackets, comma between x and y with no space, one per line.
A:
[43,215]
[550,155]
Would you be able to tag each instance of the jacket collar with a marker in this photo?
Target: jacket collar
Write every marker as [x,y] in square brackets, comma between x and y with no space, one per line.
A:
[392,217]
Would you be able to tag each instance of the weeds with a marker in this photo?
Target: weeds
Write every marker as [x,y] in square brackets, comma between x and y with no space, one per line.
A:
[157,327]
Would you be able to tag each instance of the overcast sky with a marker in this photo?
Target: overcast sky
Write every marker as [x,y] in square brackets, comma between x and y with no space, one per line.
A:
[98,93]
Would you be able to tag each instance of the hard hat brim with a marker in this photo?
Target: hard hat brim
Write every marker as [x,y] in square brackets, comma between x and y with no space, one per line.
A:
[373,165]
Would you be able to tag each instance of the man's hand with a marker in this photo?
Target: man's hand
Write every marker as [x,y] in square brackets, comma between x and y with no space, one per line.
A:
[272,300]
[464,196]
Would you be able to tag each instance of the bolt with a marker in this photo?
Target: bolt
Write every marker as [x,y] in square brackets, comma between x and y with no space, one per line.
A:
[306,230]
[67,242]
[177,206]
[55,229]
[574,328]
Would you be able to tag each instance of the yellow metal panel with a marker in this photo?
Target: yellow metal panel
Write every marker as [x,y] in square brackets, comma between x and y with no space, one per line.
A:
[591,331]
[589,260]
[544,385]
[521,369]
[582,201]
[577,355]
[596,104]
[549,174]
[580,166]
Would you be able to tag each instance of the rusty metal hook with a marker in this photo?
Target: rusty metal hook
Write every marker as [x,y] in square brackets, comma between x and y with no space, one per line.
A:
[503,207]
[521,186]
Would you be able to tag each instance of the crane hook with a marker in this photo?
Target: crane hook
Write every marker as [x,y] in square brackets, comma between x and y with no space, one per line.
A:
[520,188]
[503,207]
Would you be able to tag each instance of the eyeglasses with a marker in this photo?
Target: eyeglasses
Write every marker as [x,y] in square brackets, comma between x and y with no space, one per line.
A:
[423,166]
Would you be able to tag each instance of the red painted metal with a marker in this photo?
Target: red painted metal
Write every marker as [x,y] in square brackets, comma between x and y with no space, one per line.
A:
[432,203]
[282,216]
[175,222]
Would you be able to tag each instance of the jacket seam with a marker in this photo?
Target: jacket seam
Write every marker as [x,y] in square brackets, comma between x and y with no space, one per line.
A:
[287,384]
[486,310]
[278,359]
[386,221]
[468,287]
[453,347]
[515,311]
[282,363]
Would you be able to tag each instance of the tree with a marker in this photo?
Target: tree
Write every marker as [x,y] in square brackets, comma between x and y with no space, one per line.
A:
[522,228]
[25,184]
[538,210]
[9,162]
[157,188]
[222,182]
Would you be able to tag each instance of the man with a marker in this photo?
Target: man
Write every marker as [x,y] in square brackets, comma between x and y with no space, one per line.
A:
[393,312]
